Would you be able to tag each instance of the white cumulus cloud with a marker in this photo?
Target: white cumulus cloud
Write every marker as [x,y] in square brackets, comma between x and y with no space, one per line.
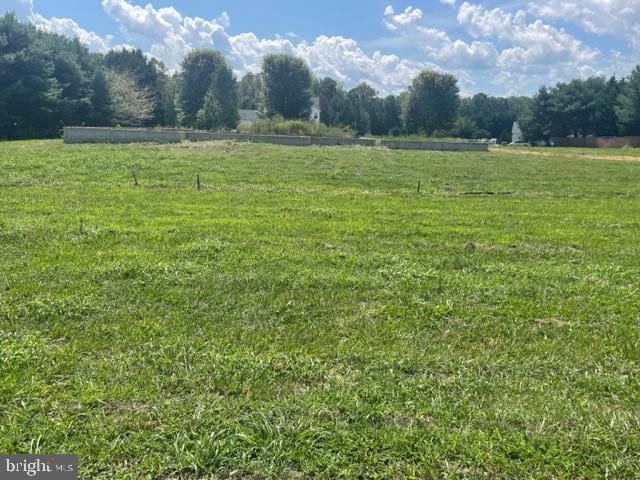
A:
[69,28]
[393,21]
[617,18]
[171,35]
[513,50]
[533,45]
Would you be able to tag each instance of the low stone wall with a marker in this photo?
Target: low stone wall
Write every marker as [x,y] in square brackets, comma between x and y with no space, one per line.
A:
[123,135]
[364,142]
[282,140]
[135,135]
[213,136]
[439,146]
[325,141]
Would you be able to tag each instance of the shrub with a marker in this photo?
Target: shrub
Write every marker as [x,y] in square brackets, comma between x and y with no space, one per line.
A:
[395,131]
[279,126]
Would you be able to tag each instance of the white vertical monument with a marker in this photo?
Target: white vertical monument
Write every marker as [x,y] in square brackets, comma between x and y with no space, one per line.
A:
[315,110]
[516,134]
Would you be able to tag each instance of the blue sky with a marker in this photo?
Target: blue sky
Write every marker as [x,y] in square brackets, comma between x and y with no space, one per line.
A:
[499,47]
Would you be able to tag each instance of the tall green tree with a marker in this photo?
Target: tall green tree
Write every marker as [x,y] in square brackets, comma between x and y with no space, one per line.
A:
[327,90]
[433,102]
[392,114]
[46,81]
[493,116]
[287,82]
[251,92]
[206,73]
[168,86]
[28,89]
[628,110]
[605,118]
[577,108]
[376,112]
[362,99]
[221,111]
[340,109]
[101,101]
[537,121]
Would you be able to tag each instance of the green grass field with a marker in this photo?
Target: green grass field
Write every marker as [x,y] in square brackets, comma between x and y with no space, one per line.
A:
[576,152]
[308,314]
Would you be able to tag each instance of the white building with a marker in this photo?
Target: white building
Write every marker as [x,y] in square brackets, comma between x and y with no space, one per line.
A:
[315,110]
[516,134]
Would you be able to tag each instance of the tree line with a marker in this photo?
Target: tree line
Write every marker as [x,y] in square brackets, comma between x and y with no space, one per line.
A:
[594,106]
[48,81]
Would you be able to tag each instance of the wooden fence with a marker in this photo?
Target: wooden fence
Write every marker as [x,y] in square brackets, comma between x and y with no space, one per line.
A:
[597,142]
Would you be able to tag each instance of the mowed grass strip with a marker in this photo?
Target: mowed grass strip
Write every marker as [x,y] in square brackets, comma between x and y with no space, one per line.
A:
[308,314]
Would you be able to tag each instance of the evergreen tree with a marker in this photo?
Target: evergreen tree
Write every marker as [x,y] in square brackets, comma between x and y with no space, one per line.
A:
[45,81]
[628,110]
[492,116]
[102,109]
[536,122]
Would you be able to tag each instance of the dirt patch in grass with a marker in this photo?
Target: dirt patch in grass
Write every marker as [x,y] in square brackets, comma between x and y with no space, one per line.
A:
[623,158]
[553,321]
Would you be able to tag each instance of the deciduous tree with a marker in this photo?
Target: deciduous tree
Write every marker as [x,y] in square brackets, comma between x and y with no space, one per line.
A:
[251,92]
[287,82]
[205,72]
[133,105]
[433,102]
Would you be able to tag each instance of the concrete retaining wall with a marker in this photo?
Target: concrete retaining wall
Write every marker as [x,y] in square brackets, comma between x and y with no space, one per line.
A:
[439,146]
[122,135]
[134,135]
[325,141]
[282,140]
[365,142]
[213,136]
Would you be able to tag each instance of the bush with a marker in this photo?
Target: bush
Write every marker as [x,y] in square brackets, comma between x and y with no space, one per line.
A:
[395,132]
[481,133]
[279,126]
[443,134]
[464,127]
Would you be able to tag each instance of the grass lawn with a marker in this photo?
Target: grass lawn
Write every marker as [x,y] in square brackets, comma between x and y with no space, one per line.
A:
[308,314]
[577,152]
